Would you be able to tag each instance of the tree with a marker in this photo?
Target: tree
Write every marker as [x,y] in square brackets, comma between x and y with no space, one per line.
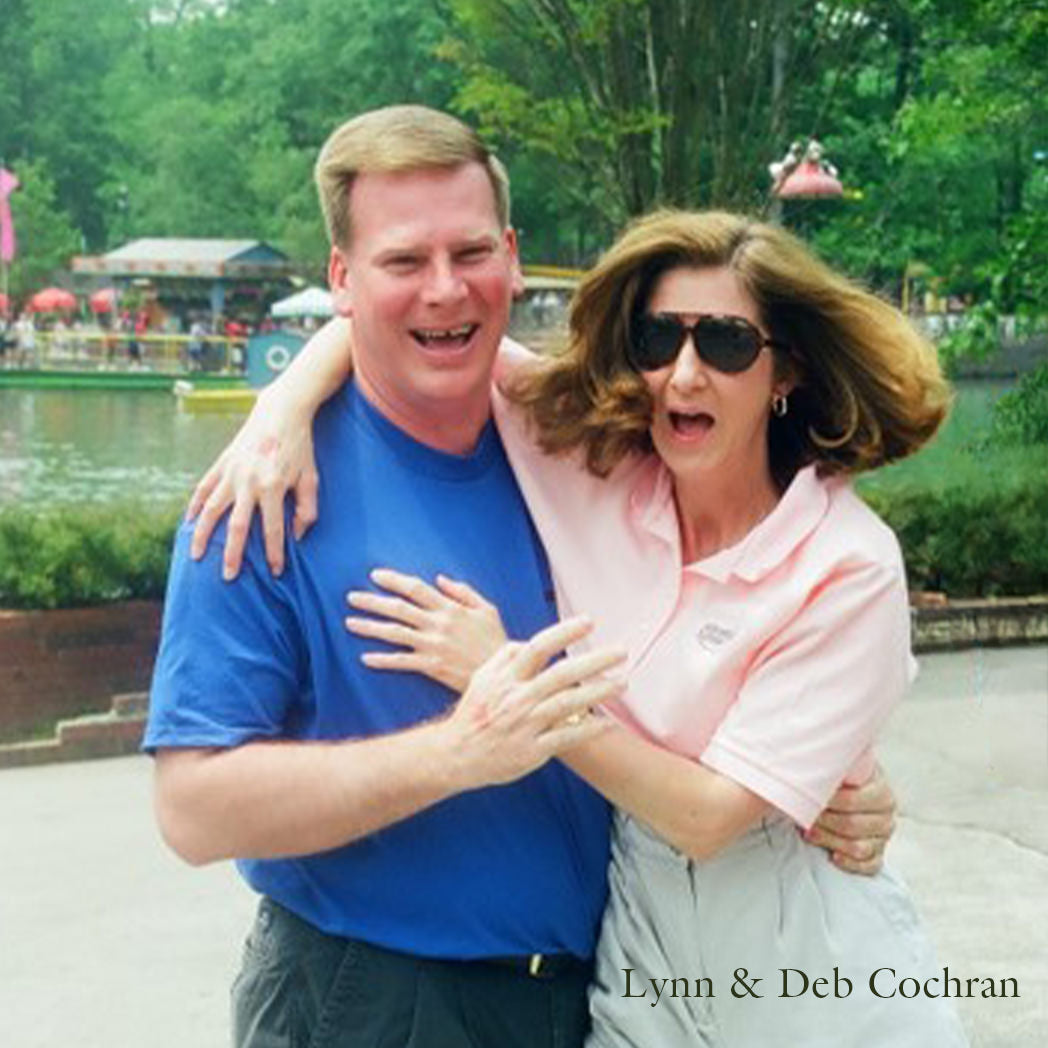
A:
[222,110]
[56,56]
[46,237]
[646,102]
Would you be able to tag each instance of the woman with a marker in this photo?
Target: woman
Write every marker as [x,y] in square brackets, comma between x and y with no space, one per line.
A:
[766,610]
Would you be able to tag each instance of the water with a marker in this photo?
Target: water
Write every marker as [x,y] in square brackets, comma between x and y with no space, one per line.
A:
[98,446]
[63,446]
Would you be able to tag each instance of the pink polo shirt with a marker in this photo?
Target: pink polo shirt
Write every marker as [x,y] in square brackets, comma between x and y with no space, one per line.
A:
[773,662]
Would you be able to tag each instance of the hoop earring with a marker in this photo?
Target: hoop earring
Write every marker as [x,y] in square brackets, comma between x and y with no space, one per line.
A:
[779,405]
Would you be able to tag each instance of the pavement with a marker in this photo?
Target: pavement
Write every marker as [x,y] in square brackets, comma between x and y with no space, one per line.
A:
[108,941]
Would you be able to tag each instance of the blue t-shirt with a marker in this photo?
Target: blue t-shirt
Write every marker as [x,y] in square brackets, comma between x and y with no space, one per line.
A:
[505,870]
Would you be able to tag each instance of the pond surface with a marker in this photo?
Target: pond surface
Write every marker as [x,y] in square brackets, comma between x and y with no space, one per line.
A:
[76,446]
[62,446]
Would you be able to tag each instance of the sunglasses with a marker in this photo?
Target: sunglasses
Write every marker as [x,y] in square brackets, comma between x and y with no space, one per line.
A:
[729,344]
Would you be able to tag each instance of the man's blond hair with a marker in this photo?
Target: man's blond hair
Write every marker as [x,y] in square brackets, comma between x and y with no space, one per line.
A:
[395,139]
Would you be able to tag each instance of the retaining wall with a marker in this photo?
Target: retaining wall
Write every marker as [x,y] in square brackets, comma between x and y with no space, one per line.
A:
[57,664]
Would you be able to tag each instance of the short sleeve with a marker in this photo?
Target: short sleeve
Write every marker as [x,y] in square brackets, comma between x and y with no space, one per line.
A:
[230,666]
[511,357]
[818,691]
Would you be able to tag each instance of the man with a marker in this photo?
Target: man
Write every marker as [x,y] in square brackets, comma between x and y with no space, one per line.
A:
[25,337]
[195,346]
[380,853]
[428,878]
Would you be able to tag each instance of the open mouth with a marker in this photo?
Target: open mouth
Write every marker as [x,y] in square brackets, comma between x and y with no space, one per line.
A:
[691,425]
[445,340]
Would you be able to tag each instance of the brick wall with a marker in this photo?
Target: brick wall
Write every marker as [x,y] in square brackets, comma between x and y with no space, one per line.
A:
[56,664]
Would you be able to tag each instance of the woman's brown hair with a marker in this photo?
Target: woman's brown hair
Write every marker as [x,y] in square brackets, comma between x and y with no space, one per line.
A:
[869,389]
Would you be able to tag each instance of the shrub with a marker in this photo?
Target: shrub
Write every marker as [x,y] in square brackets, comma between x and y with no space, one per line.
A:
[963,536]
[74,556]
[1021,416]
[972,540]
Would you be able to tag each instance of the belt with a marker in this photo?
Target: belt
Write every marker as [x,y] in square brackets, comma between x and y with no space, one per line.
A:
[540,965]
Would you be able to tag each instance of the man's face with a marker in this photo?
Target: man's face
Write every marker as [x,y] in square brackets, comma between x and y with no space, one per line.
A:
[428,280]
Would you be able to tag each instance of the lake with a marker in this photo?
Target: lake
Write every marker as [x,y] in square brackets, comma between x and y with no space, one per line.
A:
[62,446]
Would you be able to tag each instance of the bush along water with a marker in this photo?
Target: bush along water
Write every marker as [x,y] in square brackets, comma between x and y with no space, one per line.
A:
[988,539]
[960,537]
[1021,416]
[76,556]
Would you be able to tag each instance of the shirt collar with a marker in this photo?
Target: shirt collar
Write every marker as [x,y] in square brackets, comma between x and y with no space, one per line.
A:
[794,518]
[653,506]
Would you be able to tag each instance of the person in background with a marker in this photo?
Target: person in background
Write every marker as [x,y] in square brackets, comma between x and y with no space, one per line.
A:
[25,333]
[7,339]
[197,331]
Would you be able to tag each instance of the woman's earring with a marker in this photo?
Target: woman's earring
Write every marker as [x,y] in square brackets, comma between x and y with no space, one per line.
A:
[779,405]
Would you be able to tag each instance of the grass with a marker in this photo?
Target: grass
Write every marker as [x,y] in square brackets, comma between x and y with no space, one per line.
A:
[972,519]
[958,454]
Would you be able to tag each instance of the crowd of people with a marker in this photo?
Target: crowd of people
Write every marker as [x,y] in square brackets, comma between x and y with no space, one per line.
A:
[138,339]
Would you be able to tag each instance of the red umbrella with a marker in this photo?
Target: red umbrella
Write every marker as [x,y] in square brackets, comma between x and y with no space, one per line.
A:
[103,301]
[53,300]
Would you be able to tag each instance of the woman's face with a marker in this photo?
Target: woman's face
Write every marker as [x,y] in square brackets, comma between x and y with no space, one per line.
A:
[710,425]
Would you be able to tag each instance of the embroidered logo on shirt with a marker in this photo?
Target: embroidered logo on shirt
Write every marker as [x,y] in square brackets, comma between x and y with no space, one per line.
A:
[711,636]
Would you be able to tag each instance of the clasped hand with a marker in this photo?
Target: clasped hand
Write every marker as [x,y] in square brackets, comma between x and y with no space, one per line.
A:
[518,708]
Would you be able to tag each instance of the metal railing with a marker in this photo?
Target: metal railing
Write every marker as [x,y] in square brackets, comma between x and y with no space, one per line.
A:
[122,351]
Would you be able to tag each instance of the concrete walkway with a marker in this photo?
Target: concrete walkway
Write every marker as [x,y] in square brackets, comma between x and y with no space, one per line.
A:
[107,941]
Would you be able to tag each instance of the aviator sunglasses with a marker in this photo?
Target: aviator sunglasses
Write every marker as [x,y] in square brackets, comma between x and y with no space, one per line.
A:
[729,344]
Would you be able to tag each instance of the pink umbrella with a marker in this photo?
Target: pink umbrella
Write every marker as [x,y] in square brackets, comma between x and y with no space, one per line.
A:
[53,300]
[810,180]
[103,301]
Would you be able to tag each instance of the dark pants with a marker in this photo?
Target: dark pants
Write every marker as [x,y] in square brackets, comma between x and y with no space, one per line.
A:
[301,988]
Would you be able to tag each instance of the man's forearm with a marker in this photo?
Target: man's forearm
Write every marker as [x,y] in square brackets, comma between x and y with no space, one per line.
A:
[270,799]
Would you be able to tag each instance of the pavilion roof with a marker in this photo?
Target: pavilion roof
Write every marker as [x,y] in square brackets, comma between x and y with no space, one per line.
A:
[187,257]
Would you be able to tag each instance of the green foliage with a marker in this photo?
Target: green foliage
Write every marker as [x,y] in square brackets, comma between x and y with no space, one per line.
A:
[977,339]
[195,118]
[79,556]
[964,152]
[646,102]
[209,114]
[1020,418]
[56,58]
[972,540]
[962,538]
[46,237]
[225,111]
[971,513]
